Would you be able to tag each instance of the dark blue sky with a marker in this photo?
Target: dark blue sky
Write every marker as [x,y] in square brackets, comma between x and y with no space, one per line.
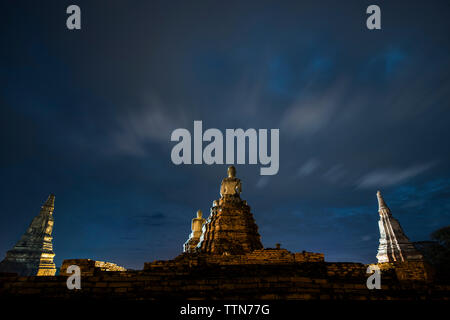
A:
[88,114]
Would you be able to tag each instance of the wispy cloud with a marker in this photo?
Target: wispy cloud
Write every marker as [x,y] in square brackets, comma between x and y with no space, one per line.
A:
[152,123]
[262,182]
[334,174]
[389,177]
[308,168]
[309,115]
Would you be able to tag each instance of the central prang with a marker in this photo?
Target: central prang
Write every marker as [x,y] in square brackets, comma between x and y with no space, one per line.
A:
[230,227]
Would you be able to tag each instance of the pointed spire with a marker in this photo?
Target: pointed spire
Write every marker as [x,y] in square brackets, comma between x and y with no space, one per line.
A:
[33,253]
[50,201]
[394,244]
[382,206]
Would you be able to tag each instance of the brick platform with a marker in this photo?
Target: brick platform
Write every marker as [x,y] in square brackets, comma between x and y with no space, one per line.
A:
[299,281]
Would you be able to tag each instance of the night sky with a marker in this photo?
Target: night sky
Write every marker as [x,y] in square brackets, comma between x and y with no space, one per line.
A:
[87,115]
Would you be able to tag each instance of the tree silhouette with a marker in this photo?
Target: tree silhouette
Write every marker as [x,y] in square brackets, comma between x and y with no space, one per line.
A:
[442,236]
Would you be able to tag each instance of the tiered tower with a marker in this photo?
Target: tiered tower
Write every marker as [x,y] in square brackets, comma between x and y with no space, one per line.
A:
[194,237]
[33,253]
[394,244]
[230,228]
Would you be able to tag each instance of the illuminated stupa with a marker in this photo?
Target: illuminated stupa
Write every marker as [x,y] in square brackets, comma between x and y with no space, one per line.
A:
[394,244]
[194,237]
[230,228]
[33,254]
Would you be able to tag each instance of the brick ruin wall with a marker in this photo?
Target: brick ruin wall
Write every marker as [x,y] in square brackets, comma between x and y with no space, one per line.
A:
[409,270]
[259,257]
[89,267]
[198,277]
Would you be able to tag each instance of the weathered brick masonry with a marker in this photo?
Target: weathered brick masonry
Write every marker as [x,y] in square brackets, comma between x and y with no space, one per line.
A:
[90,267]
[197,279]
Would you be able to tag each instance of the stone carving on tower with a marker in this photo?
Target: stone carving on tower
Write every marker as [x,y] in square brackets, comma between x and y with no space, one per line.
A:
[394,244]
[33,254]
[194,237]
[230,228]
